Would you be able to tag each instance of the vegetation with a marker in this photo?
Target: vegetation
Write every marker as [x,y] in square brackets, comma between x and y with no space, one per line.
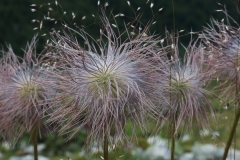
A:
[110,80]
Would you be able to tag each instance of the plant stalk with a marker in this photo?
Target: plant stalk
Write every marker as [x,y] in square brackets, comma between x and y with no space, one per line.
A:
[105,148]
[35,142]
[231,135]
[173,141]
[235,123]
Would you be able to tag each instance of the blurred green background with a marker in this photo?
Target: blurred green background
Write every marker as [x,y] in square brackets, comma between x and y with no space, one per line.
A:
[16,27]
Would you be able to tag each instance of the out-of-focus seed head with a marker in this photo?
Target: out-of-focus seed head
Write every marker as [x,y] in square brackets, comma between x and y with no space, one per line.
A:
[22,96]
[222,47]
[188,100]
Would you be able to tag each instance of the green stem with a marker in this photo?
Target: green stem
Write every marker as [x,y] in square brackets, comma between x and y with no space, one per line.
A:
[35,142]
[232,133]
[173,141]
[235,123]
[105,148]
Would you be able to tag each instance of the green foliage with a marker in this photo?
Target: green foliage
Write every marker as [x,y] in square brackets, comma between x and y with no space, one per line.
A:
[143,143]
[16,27]
[57,145]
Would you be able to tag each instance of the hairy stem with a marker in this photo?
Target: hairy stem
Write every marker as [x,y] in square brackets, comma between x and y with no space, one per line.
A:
[172,130]
[235,123]
[35,142]
[105,148]
[173,141]
[231,135]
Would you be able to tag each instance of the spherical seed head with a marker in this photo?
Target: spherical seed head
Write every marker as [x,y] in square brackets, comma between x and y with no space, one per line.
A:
[183,80]
[22,97]
[23,84]
[188,100]
[107,85]
[222,48]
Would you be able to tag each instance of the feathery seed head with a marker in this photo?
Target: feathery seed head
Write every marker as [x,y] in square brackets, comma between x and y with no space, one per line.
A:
[22,97]
[108,84]
[181,81]
[222,47]
[188,100]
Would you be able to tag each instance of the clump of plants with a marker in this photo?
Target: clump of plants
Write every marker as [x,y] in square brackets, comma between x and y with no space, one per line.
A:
[126,76]
[24,99]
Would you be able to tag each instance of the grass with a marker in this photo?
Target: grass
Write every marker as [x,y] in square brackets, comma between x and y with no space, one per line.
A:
[224,120]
